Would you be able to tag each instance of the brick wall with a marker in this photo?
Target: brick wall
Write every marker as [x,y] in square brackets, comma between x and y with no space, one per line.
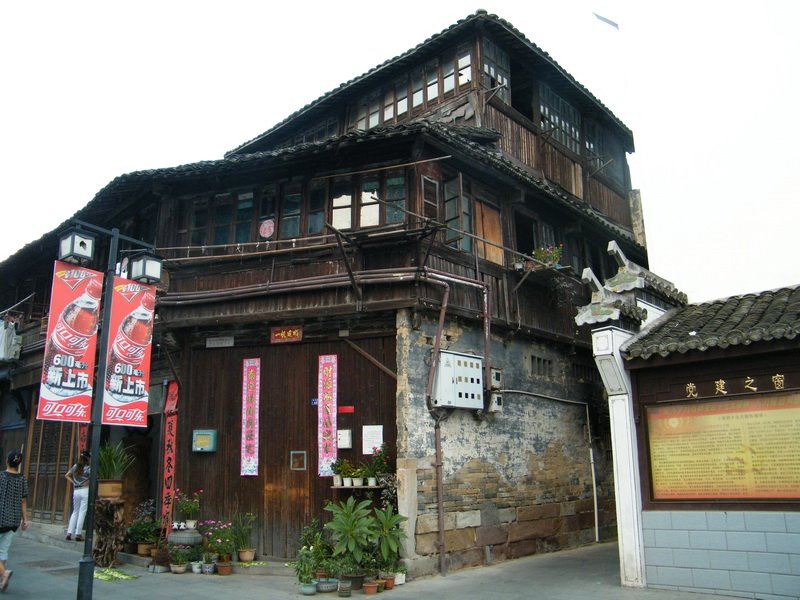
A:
[735,553]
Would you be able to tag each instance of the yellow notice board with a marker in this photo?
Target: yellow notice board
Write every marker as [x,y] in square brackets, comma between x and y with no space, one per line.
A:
[743,449]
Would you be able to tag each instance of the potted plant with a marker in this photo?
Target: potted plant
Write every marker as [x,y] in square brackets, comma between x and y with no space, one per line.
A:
[336,467]
[358,476]
[387,536]
[345,469]
[369,473]
[549,255]
[145,529]
[179,558]
[188,505]
[352,529]
[219,539]
[304,570]
[242,530]
[113,461]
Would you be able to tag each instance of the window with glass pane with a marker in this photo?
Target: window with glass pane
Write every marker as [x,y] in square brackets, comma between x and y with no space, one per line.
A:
[223,217]
[448,77]
[452,214]
[244,217]
[548,235]
[395,198]
[430,198]
[290,214]
[369,210]
[316,208]
[361,116]
[199,222]
[559,117]
[374,111]
[432,81]
[401,92]
[388,106]
[342,204]
[465,243]
[464,68]
[417,90]
[496,70]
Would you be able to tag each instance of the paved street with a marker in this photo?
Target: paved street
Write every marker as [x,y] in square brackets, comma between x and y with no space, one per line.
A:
[46,571]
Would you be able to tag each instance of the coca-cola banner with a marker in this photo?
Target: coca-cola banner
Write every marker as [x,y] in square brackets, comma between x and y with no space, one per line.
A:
[127,384]
[65,393]
[251,381]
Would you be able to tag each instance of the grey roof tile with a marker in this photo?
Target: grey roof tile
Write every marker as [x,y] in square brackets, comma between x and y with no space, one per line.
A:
[739,320]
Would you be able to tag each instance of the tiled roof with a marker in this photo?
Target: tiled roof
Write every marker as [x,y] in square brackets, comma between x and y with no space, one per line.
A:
[735,321]
[497,25]
[458,137]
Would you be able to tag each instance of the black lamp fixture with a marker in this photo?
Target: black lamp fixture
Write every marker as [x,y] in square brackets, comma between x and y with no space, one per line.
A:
[146,267]
[76,246]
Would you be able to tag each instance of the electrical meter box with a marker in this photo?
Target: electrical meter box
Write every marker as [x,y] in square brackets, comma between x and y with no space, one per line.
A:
[459,381]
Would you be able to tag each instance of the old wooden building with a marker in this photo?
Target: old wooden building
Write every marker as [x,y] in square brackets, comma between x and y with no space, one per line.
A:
[398,219]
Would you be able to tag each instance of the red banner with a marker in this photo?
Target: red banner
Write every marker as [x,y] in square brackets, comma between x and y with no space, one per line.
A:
[327,382]
[170,448]
[65,393]
[126,388]
[251,377]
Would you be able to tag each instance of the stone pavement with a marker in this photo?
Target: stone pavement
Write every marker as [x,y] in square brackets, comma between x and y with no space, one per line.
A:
[48,570]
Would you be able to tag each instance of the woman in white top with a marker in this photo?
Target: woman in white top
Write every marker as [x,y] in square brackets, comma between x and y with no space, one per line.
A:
[78,476]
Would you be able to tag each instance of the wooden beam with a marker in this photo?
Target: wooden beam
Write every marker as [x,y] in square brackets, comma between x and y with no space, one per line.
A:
[372,359]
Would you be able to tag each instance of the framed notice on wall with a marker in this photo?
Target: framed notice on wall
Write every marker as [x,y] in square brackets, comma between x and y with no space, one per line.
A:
[742,449]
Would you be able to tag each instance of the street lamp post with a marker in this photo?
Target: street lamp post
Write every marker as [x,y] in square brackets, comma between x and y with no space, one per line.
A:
[76,246]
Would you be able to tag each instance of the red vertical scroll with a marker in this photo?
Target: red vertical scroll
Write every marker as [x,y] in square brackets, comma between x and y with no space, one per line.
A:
[170,447]
[251,379]
[326,411]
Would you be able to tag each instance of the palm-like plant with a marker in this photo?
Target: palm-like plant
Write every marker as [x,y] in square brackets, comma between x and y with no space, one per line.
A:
[387,534]
[352,528]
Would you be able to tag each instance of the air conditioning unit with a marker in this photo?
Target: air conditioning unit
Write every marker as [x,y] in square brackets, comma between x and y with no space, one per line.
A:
[459,381]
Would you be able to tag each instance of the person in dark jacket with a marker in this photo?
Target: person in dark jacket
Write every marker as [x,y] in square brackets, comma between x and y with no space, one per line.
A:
[13,509]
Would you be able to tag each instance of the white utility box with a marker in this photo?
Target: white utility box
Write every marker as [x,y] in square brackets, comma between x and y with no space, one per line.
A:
[459,381]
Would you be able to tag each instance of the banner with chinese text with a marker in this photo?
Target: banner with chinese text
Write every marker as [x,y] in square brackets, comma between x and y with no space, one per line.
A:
[251,386]
[169,453]
[326,412]
[126,388]
[65,393]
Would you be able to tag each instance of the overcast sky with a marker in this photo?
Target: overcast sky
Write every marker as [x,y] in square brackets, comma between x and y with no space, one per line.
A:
[92,90]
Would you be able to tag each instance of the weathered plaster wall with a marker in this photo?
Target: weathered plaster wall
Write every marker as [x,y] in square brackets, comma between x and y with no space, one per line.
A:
[515,483]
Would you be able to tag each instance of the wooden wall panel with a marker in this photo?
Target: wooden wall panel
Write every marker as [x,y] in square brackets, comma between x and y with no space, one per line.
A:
[284,500]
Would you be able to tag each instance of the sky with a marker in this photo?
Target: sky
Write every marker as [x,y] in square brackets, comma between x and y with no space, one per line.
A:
[92,90]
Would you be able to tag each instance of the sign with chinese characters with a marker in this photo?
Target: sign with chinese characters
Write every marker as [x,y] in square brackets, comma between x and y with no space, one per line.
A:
[327,437]
[285,334]
[170,447]
[251,386]
[65,393]
[127,384]
[741,449]
[775,382]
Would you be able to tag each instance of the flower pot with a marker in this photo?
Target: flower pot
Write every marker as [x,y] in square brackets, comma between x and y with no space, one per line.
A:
[197,567]
[178,569]
[370,587]
[191,523]
[389,581]
[224,568]
[345,588]
[372,481]
[308,589]
[381,584]
[358,481]
[208,568]
[109,488]
[356,580]
[347,481]
[399,578]
[327,584]
[320,575]
[143,548]
[337,480]
[246,554]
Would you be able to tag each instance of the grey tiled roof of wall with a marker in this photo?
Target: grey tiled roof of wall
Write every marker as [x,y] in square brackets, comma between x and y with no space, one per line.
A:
[739,320]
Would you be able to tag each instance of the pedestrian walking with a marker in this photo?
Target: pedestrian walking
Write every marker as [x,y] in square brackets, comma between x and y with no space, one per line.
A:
[78,476]
[13,509]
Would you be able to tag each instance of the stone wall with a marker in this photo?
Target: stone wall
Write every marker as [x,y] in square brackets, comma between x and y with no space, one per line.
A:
[515,483]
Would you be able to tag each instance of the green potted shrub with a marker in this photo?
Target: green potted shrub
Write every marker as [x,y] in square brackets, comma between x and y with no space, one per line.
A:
[352,529]
[113,461]
[387,536]
[241,531]
[304,570]
[178,558]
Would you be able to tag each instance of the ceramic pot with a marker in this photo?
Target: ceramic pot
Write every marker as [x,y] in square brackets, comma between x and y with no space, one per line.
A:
[337,480]
[246,554]
[355,580]
[208,568]
[358,481]
[370,587]
[178,569]
[372,481]
[308,589]
[399,578]
[143,548]
[197,567]
[191,523]
[389,581]
[347,481]
[224,568]
[345,588]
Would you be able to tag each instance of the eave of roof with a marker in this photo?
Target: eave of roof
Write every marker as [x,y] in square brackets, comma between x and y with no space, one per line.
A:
[491,21]
[458,137]
[736,321]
